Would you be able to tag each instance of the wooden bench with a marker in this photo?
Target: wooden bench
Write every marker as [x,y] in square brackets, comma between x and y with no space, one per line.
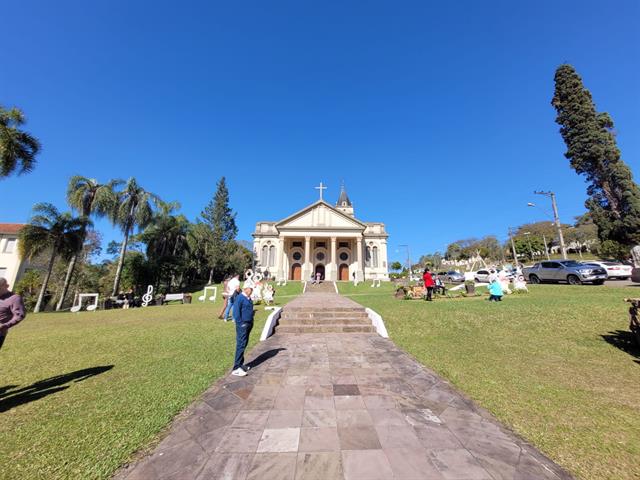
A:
[171,297]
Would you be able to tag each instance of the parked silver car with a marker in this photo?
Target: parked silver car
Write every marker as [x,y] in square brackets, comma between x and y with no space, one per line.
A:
[570,271]
[451,276]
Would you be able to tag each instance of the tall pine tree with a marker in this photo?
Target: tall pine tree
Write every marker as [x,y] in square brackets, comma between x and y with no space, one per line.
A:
[222,222]
[614,198]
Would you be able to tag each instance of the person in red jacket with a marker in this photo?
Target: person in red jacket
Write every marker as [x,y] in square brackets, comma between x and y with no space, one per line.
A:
[428,283]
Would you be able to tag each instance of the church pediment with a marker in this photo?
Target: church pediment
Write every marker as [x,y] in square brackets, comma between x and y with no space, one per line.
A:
[320,215]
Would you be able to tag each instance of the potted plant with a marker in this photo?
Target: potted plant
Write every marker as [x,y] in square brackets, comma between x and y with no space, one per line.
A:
[470,287]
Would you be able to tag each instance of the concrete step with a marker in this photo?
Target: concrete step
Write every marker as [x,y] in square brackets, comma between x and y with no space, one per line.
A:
[321,308]
[324,329]
[323,315]
[323,321]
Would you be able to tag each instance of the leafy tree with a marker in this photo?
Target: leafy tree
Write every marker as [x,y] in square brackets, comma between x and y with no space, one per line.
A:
[222,222]
[614,198]
[134,210]
[50,230]
[529,245]
[18,149]
[454,251]
[167,247]
[27,287]
[88,198]
[395,266]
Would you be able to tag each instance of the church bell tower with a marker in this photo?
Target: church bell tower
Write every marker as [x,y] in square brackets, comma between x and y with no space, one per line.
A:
[344,204]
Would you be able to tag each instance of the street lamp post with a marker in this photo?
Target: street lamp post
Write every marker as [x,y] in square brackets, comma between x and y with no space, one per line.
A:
[556,219]
[513,249]
[408,259]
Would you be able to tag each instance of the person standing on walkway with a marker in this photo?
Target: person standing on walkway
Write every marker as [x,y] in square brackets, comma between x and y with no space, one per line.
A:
[243,315]
[428,284]
[233,286]
[11,309]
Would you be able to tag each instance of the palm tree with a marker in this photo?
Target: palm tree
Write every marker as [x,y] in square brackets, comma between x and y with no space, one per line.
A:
[134,210]
[17,147]
[88,197]
[61,233]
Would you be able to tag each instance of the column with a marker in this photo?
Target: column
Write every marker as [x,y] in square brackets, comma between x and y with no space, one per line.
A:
[385,260]
[360,270]
[332,274]
[306,269]
[279,273]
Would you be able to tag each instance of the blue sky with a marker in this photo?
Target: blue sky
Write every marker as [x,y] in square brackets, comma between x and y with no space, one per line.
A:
[436,115]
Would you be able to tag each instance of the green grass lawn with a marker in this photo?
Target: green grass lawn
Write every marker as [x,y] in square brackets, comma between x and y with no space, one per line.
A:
[539,362]
[145,366]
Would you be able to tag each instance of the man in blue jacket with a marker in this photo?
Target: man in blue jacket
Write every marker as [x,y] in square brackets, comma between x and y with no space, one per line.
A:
[243,316]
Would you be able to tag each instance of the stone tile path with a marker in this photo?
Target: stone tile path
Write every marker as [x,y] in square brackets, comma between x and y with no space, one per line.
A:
[338,406]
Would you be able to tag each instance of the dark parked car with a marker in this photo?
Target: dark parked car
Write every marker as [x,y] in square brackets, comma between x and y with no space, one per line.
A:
[570,271]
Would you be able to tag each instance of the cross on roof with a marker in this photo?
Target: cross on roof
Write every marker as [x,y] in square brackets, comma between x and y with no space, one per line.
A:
[321,188]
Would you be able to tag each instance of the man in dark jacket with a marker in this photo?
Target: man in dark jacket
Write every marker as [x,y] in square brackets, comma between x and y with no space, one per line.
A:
[11,309]
[243,316]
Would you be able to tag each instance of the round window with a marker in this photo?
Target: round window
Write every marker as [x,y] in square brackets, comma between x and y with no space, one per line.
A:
[320,256]
[344,256]
[297,256]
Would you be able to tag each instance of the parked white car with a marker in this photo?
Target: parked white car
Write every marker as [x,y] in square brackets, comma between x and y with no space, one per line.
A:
[485,275]
[615,269]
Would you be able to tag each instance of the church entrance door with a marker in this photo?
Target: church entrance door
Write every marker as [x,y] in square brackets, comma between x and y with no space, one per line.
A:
[320,270]
[296,271]
[343,272]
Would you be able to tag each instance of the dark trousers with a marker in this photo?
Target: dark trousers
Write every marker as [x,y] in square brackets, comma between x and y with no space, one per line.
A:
[442,289]
[429,293]
[495,298]
[243,329]
[2,337]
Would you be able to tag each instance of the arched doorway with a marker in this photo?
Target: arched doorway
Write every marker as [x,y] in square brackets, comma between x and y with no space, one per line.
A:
[296,271]
[343,272]
[320,270]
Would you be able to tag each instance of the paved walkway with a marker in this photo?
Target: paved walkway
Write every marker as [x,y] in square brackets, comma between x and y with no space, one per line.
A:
[338,406]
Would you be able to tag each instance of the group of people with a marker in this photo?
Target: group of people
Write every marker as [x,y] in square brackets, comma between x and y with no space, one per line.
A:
[432,283]
[238,307]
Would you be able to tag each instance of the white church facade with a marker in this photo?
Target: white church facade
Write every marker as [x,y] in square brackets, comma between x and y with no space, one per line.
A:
[325,239]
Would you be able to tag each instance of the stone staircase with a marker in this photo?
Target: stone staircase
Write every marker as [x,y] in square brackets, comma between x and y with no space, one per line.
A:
[321,310]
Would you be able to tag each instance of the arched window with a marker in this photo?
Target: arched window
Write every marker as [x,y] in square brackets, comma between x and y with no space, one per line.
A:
[263,256]
[272,256]
[367,257]
[375,257]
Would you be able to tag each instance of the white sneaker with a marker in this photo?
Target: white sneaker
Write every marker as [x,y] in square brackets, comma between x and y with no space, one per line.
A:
[238,372]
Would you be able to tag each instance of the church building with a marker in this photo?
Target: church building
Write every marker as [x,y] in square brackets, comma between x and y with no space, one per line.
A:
[325,239]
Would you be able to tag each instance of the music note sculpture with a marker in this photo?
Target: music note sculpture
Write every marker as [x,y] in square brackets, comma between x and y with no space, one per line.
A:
[212,298]
[90,308]
[147,297]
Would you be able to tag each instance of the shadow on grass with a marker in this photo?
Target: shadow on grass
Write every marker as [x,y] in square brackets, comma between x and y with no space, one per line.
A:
[263,357]
[10,398]
[625,341]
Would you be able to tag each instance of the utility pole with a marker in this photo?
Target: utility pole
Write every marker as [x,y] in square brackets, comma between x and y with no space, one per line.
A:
[513,248]
[546,249]
[526,234]
[556,219]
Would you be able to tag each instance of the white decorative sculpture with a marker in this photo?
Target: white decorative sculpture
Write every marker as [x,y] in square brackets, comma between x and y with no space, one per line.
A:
[147,297]
[91,307]
[376,283]
[248,279]
[212,298]
[267,294]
